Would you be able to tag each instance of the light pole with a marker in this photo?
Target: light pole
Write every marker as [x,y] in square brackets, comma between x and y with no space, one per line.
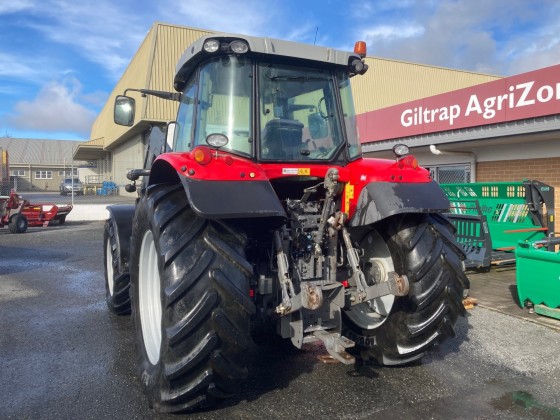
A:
[72,173]
[71,157]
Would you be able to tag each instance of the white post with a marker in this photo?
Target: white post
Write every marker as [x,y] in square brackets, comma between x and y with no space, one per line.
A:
[72,174]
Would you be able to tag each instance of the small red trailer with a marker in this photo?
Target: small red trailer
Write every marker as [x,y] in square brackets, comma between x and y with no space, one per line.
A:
[42,214]
[18,213]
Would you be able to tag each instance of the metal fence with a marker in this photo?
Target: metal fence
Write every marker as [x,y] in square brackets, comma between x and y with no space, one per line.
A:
[451,174]
[7,186]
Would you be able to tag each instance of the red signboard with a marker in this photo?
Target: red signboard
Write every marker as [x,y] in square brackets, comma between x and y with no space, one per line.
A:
[526,95]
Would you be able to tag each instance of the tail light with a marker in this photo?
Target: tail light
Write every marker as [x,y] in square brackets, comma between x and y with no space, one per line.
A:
[408,161]
[202,155]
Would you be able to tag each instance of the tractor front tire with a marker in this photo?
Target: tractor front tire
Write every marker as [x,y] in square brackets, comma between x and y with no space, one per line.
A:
[190,302]
[117,282]
[423,248]
[17,223]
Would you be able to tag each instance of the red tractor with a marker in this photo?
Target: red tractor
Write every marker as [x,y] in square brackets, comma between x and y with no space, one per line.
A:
[257,213]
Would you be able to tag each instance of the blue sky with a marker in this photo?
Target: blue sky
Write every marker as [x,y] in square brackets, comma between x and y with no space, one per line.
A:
[60,59]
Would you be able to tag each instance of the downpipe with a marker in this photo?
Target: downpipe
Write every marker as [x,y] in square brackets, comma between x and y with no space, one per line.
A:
[471,155]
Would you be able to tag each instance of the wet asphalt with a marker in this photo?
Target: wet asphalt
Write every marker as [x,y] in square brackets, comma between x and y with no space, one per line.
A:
[64,356]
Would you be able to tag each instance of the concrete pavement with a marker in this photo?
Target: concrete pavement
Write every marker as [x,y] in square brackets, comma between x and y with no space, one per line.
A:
[497,291]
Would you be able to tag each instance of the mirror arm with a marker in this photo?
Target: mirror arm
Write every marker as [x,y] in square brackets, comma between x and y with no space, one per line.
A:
[173,96]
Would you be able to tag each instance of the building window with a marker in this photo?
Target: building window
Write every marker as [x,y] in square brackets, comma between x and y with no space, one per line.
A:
[451,174]
[43,174]
[68,172]
[17,172]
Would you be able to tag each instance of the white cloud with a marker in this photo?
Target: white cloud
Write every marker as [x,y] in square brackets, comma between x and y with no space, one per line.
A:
[540,49]
[96,99]
[19,70]
[389,33]
[54,109]
[360,9]
[12,6]
[102,32]
[13,67]
[478,35]
[250,17]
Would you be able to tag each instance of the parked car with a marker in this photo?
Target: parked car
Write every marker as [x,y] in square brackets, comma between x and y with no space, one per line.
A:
[71,185]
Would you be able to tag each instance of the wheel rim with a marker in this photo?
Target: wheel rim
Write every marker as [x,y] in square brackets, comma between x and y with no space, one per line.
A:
[109,268]
[149,303]
[370,315]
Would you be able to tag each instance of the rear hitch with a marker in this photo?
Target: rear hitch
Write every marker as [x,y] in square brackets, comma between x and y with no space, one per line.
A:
[336,345]
[396,284]
[286,285]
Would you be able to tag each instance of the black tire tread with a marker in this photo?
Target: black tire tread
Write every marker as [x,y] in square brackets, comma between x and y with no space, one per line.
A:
[206,306]
[424,250]
[17,223]
[119,302]
[201,351]
[200,312]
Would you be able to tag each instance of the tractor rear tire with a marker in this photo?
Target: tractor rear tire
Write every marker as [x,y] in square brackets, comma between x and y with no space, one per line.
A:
[17,223]
[117,282]
[190,302]
[423,248]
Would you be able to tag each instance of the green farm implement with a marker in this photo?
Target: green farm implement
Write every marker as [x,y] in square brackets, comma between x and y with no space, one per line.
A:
[492,217]
[538,276]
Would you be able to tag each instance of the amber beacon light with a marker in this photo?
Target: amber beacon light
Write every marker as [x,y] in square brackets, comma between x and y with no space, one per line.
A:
[360,48]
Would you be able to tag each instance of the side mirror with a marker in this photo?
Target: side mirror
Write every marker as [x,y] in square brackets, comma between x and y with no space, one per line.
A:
[124,110]
[317,126]
[170,136]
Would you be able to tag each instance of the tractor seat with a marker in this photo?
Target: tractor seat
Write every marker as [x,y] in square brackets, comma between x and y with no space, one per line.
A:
[282,139]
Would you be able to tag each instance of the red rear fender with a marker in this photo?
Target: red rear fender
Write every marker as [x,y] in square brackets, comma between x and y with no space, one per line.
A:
[226,187]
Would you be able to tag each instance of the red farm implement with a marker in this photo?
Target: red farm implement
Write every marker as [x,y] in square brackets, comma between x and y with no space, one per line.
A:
[18,213]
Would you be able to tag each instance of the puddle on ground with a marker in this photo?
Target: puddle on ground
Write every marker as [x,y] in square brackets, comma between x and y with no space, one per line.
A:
[523,403]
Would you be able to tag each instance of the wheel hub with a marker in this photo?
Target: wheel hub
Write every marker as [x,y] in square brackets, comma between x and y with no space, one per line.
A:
[377,264]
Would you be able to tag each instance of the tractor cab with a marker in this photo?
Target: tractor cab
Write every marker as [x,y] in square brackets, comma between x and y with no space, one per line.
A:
[268,111]
[266,100]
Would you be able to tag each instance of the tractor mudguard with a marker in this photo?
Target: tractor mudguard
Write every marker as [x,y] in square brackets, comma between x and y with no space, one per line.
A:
[379,200]
[232,199]
[121,216]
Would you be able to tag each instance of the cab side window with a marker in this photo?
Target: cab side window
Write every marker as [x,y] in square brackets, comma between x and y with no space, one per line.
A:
[184,130]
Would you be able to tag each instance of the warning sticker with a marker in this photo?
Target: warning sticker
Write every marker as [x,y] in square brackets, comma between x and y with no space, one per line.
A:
[296,171]
[289,171]
[348,195]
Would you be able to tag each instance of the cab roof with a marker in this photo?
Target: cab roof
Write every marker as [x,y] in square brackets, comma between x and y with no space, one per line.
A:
[195,53]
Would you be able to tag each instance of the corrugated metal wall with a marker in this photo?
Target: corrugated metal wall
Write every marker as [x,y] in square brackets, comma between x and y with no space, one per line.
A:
[152,67]
[391,82]
[135,76]
[170,44]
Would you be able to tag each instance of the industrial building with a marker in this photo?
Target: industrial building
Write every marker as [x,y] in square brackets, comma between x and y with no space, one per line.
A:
[41,165]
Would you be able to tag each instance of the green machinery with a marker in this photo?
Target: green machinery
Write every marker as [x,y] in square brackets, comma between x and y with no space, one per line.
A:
[492,217]
[538,276]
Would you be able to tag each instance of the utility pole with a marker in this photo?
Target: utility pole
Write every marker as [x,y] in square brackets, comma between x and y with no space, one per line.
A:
[72,174]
